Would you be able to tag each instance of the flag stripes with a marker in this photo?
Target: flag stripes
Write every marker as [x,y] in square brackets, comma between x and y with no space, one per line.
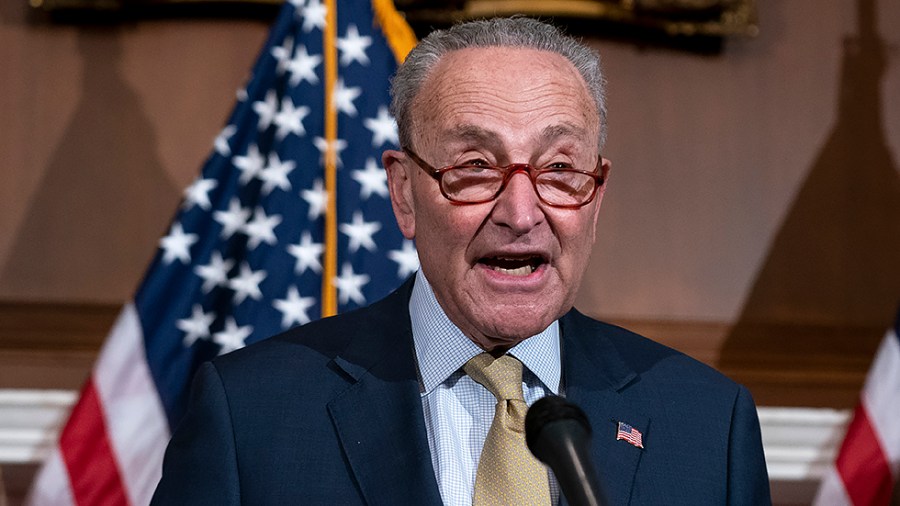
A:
[861,463]
[868,462]
[89,457]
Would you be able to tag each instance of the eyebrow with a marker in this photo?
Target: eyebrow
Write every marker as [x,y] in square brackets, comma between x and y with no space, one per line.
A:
[476,134]
[567,132]
[553,132]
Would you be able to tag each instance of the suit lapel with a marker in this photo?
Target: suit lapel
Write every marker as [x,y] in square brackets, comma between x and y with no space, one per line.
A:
[381,427]
[595,376]
[379,418]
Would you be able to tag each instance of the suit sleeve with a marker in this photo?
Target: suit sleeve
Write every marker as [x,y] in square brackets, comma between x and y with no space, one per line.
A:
[748,480]
[200,464]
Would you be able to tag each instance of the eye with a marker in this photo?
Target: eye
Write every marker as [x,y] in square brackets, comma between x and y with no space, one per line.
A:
[480,162]
[559,165]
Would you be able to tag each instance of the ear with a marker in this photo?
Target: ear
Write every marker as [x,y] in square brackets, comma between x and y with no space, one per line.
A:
[400,186]
[605,166]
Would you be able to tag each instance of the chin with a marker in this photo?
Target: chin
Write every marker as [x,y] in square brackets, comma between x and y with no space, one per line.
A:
[514,328]
[492,344]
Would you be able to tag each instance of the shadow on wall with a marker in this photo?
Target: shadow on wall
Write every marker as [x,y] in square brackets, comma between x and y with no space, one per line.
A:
[104,198]
[830,285]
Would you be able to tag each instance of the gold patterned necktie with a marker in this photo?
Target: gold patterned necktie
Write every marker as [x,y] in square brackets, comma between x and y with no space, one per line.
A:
[508,474]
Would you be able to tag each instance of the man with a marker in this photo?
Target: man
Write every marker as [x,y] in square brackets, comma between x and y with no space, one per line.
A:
[500,183]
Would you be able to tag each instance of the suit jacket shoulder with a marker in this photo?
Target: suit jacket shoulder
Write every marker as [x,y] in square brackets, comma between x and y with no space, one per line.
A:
[699,429]
[356,337]
[628,355]
[326,413]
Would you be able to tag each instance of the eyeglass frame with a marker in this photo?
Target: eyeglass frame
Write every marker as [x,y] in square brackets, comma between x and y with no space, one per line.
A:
[508,172]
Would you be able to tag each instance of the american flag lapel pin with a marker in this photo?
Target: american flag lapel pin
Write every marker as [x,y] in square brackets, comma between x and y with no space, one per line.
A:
[628,433]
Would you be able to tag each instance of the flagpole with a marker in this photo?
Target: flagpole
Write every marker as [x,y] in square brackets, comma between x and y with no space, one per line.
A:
[329,34]
[396,30]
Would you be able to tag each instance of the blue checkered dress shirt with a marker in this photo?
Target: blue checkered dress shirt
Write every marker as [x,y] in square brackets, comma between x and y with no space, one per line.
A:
[459,411]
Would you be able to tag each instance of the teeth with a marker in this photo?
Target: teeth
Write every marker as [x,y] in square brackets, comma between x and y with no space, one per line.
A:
[519,271]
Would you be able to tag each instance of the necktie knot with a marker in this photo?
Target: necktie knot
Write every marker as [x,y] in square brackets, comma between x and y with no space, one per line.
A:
[501,376]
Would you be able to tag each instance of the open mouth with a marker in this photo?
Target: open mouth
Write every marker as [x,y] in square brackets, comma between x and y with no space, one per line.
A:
[514,266]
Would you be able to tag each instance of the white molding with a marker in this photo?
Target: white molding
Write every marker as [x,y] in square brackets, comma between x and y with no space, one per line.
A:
[800,443]
[30,422]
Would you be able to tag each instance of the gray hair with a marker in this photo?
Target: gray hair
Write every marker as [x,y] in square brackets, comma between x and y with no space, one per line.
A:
[504,32]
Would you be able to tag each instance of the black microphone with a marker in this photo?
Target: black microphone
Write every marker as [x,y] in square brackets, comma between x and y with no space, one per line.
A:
[558,433]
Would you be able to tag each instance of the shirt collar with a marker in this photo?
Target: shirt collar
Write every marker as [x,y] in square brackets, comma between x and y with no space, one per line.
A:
[442,348]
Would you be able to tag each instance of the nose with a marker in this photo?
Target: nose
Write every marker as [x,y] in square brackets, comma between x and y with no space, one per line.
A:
[518,207]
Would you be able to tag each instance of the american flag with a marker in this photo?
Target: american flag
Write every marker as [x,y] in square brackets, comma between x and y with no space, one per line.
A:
[867,467]
[289,220]
[628,433]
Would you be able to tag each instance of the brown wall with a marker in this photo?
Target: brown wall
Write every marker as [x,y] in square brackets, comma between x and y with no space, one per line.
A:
[753,215]
[103,126]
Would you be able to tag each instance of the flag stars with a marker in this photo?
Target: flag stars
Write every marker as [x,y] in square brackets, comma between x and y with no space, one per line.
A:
[266,110]
[360,233]
[247,284]
[353,47]
[198,194]
[247,229]
[349,285]
[250,165]
[215,273]
[196,327]
[302,67]
[313,14]
[261,229]
[221,143]
[234,219]
[317,198]
[383,128]
[338,145]
[289,119]
[371,180]
[307,253]
[294,308]
[177,245]
[275,175]
[407,259]
[282,54]
[344,97]
[232,337]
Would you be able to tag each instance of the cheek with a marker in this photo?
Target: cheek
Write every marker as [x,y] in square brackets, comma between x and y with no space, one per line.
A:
[435,229]
[576,241]
[446,232]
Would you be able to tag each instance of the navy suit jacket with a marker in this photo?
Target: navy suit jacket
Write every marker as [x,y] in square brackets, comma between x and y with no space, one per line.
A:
[330,413]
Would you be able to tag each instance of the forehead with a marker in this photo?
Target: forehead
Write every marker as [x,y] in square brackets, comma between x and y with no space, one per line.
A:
[519,92]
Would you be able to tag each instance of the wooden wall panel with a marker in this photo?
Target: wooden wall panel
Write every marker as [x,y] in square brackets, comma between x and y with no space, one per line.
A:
[52,345]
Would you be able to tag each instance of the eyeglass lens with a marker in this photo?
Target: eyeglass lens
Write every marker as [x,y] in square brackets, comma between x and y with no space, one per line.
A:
[478,184]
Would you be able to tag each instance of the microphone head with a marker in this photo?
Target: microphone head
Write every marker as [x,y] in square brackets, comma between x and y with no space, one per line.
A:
[549,410]
[558,433]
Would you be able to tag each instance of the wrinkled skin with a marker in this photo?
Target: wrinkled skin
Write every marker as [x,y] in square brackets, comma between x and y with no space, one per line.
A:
[502,270]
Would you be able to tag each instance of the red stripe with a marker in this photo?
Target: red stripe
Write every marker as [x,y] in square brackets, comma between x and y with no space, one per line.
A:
[89,458]
[862,463]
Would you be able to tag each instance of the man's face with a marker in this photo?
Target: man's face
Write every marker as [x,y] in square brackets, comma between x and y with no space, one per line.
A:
[502,270]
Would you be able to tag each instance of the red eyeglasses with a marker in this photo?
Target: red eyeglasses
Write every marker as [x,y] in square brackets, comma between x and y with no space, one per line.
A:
[566,188]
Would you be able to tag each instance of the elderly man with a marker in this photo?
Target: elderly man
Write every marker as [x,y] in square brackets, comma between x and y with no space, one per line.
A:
[419,398]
